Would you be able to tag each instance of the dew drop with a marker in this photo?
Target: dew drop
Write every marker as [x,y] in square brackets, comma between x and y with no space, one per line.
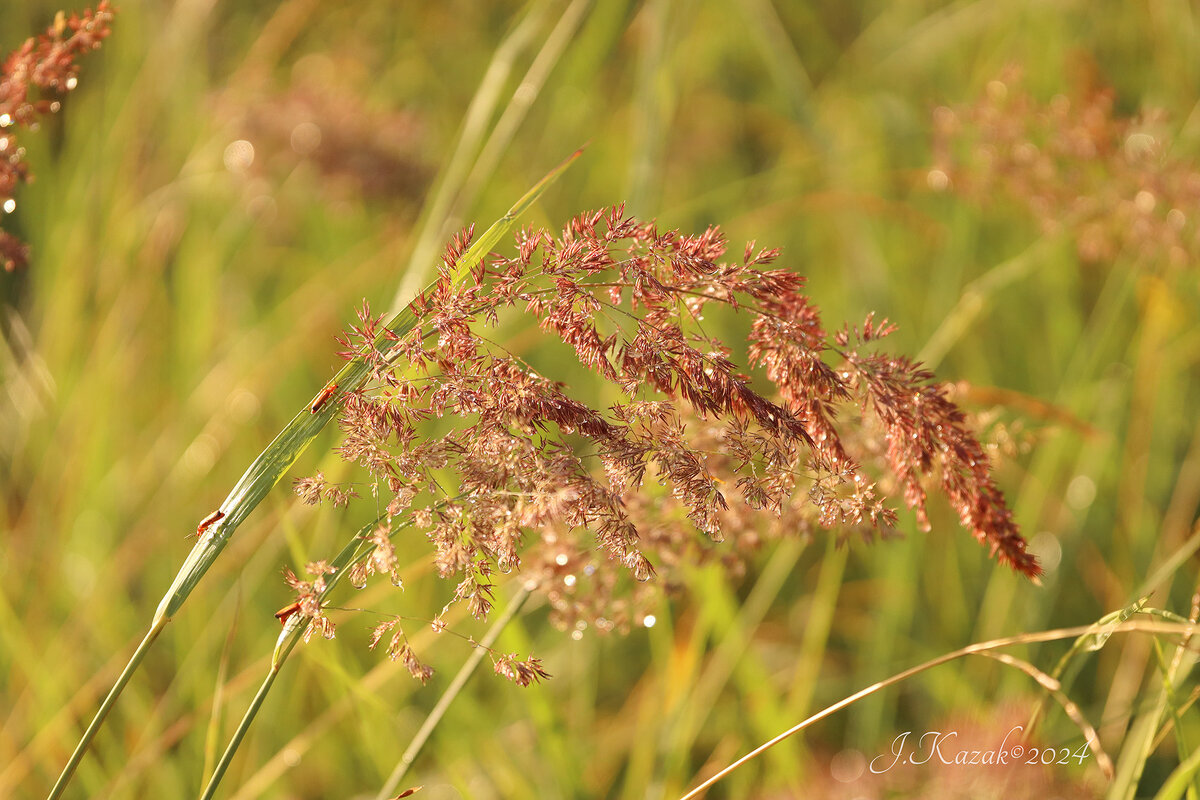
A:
[10,205]
[5,120]
[649,620]
[72,82]
[561,559]
[641,570]
[569,580]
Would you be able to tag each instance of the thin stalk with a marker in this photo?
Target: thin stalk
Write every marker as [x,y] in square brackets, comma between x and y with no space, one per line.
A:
[105,707]
[518,106]
[1091,641]
[276,459]
[240,733]
[452,691]
[354,551]
[1129,626]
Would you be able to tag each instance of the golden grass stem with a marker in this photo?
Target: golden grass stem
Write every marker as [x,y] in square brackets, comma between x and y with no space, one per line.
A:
[1073,712]
[1130,626]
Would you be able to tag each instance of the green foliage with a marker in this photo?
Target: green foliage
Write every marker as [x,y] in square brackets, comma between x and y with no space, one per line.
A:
[181,303]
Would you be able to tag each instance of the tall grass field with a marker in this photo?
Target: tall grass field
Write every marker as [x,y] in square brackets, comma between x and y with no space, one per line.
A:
[421,399]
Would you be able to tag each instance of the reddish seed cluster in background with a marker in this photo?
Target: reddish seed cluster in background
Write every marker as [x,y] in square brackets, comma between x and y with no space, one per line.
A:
[1114,184]
[43,64]
[686,443]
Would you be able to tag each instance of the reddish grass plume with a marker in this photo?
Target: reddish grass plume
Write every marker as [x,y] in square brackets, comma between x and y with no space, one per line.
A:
[32,79]
[476,448]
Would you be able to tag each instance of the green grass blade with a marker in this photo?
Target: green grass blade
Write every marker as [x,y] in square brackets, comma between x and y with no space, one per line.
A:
[102,713]
[1181,779]
[273,462]
[447,193]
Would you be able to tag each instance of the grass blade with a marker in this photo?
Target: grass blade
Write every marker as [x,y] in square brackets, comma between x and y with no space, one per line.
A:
[273,462]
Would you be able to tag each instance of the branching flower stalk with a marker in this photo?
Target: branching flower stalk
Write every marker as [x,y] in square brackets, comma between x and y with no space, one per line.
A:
[839,430]
[269,467]
[517,468]
[523,455]
[363,548]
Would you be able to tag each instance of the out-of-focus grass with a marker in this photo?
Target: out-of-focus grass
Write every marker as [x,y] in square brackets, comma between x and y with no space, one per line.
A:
[177,310]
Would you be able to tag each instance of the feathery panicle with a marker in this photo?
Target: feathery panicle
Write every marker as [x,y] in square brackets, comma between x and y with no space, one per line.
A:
[591,500]
[31,79]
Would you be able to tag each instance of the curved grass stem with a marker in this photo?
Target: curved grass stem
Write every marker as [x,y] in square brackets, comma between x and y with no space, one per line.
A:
[242,728]
[980,648]
[354,551]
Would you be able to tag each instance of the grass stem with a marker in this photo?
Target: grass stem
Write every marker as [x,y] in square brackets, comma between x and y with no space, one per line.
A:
[270,466]
[980,648]
[102,714]
[248,718]
[452,691]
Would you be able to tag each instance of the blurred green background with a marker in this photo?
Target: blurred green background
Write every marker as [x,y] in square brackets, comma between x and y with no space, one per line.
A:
[231,179]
